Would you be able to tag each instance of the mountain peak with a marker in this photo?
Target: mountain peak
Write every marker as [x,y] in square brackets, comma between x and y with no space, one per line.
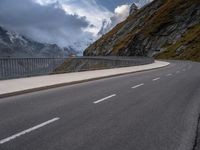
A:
[158,27]
[133,9]
[13,44]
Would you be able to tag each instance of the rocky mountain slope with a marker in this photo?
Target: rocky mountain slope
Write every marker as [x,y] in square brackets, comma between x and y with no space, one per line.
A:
[15,45]
[133,9]
[167,26]
[141,3]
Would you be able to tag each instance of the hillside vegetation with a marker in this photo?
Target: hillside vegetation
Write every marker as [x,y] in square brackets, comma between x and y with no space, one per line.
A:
[164,28]
[186,48]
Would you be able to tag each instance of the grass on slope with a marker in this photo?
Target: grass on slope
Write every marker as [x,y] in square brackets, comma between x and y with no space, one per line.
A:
[162,18]
[153,24]
[188,44]
[165,15]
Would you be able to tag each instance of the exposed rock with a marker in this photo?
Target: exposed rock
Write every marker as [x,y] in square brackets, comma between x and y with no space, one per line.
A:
[16,45]
[151,30]
[133,9]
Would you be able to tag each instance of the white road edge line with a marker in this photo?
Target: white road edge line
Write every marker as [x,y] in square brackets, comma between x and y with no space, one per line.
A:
[28,131]
[134,87]
[103,99]
[156,79]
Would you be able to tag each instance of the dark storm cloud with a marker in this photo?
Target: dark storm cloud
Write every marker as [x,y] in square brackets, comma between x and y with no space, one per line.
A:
[46,23]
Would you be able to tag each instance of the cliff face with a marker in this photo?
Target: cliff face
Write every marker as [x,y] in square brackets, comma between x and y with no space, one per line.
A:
[155,28]
[185,48]
[133,9]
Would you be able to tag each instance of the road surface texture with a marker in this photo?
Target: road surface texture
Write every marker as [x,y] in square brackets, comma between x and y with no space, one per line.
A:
[151,110]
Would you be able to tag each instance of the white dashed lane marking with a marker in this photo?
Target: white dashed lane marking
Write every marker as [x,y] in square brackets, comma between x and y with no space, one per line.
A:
[103,99]
[27,131]
[134,87]
[156,79]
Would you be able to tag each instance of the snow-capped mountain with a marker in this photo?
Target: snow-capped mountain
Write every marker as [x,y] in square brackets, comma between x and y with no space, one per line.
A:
[15,45]
[79,46]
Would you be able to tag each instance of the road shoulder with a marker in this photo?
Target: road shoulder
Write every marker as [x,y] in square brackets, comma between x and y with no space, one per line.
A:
[32,84]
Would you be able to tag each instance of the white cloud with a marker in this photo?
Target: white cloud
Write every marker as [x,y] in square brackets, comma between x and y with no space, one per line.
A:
[100,19]
[63,22]
[120,14]
[122,10]
[47,23]
[93,12]
[45,2]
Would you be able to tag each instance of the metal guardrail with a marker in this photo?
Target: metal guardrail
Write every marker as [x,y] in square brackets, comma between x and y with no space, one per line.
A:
[25,67]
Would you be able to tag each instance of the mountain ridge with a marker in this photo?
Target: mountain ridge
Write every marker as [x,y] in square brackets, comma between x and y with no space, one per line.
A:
[13,44]
[151,30]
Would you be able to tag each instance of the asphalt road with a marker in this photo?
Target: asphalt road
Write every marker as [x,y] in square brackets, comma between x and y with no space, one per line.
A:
[151,110]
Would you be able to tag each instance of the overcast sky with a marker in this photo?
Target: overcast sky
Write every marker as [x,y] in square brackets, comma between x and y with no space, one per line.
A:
[64,22]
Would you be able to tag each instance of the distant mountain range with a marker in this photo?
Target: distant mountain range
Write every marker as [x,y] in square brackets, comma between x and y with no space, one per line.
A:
[163,28]
[15,45]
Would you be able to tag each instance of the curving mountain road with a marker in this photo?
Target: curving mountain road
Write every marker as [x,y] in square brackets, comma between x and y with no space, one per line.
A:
[151,110]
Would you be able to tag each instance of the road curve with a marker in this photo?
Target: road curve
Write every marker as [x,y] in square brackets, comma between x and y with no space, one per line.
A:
[151,110]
